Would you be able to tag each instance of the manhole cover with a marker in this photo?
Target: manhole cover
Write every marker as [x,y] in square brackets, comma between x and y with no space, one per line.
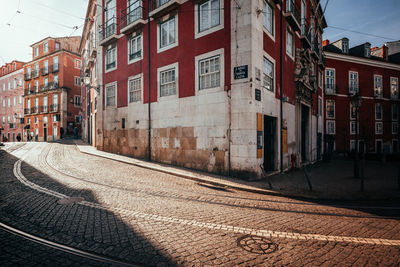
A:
[70,200]
[257,244]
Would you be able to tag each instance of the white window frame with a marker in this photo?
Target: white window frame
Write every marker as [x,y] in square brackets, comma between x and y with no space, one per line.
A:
[376,78]
[376,127]
[221,54]
[77,64]
[80,100]
[36,51]
[77,81]
[358,82]
[165,68]
[290,31]
[46,47]
[334,126]
[350,115]
[376,117]
[326,109]
[116,58]
[264,19]
[392,96]
[353,129]
[217,72]
[197,32]
[129,48]
[329,77]
[105,95]
[139,76]
[269,58]
[172,45]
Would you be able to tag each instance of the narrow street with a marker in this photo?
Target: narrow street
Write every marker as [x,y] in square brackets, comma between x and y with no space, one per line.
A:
[145,217]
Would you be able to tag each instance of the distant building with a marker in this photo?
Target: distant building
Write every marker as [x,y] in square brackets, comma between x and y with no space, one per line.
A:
[11,102]
[52,97]
[369,72]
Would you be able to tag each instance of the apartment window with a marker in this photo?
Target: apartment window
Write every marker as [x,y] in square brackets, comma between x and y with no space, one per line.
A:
[378,127]
[8,119]
[19,82]
[135,89]
[46,47]
[289,43]
[77,100]
[9,86]
[14,84]
[28,72]
[209,14]
[45,103]
[268,17]
[330,127]
[367,50]
[395,127]
[353,112]
[135,48]
[167,33]
[55,64]
[57,46]
[209,72]
[330,109]
[111,57]
[395,112]
[378,111]
[168,82]
[45,82]
[55,81]
[268,69]
[111,95]
[345,46]
[4,87]
[14,101]
[394,88]
[77,80]
[77,64]
[36,86]
[36,120]
[378,91]
[353,80]
[20,99]
[9,102]
[36,51]
[329,80]
[353,127]
[320,79]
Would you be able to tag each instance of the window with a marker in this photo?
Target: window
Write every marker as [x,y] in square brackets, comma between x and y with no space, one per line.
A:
[4,87]
[20,99]
[9,86]
[46,47]
[46,67]
[268,69]
[330,127]
[36,120]
[209,14]
[167,82]
[55,81]
[167,34]
[55,64]
[345,46]
[77,80]
[353,82]
[330,109]
[77,100]
[135,89]
[9,102]
[268,17]
[353,127]
[320,79]
[395,112]
[367,50]
[289,44]
[353,112]
[395,127]
[110,95]
[394,88]
[4,103]
[45,82]
[378,111]
[329,81]
[111,57]
[378,127]
[36,86]
[378,91]
[14,101]
[36,51]
[77,64]
[14,83]
[20,82]
[57,46]
[135,48]
[4,119]
[209,73]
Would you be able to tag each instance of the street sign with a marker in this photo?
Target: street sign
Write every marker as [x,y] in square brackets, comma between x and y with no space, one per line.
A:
[241,72]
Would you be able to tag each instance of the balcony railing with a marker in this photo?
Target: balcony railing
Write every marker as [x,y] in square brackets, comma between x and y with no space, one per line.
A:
[160,7]
[27,76]
[293,14]
[135,55]
[34,110]
[54,68]
[35,73]
[132,16]
[53,107]
[305,33]
[110,65]
[45,71]
[27,111]
[44,109]
[109,29]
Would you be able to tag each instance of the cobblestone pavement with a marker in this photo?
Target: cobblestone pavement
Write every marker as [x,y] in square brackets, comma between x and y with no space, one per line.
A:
[152,218]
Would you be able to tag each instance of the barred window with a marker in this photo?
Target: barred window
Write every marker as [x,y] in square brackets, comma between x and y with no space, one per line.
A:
[268,70]
[110,95]
[167,82]
[210,72]
[135,90]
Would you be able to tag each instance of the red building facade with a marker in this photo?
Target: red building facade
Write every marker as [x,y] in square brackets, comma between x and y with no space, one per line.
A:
[11,102]
[368,72]
[217,102]
[52,97]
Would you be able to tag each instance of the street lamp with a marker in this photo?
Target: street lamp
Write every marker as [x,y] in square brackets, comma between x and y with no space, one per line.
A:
[356,100]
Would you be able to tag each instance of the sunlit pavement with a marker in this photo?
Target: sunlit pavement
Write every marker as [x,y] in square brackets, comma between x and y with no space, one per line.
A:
[145,217]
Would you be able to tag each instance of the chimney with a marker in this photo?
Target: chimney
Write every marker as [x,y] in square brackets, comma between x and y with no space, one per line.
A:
[385,52]
[325,42]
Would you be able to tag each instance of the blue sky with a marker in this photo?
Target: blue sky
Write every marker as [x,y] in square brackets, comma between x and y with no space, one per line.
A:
[376,17]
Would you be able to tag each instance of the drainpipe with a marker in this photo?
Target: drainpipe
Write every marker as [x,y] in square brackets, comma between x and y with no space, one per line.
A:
[148,62]
[281,87]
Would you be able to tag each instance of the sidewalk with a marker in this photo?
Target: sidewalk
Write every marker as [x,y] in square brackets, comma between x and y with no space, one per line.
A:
[332,180]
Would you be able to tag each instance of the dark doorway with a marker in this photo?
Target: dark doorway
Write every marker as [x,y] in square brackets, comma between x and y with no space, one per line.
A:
[44,134]
[378,146]
[319,145]
[304,132]
[89,125]
[269,142]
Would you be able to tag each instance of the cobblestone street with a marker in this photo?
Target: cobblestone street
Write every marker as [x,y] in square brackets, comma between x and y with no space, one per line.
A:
[145,217]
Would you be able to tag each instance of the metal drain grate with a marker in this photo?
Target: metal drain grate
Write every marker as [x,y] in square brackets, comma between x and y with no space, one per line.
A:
[70,200]
[257,244]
